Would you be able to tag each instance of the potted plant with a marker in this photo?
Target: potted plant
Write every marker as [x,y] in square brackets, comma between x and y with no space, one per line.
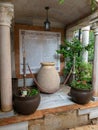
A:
[26,99]
[81,85]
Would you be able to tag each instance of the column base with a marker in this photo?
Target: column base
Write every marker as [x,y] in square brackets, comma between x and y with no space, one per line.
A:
[6,108]
[95,98]
[7,114]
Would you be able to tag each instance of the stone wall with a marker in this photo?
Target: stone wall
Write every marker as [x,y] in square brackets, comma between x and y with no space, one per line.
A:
[59,121]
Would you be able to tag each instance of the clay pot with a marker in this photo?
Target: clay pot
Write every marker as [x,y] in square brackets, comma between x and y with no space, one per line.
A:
[48,78]
[81,96]
[26,105]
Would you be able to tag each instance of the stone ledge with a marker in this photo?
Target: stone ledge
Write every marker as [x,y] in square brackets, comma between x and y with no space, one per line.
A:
[41,113]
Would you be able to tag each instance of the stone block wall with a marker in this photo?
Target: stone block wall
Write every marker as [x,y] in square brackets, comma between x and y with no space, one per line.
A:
[59,121]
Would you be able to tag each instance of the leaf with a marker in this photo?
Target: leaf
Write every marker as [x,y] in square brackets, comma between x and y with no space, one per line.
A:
[61,1]
[93,5]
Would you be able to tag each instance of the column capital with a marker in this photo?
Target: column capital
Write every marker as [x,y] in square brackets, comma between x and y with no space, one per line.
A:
[94,16]
[94,22]
[6,13]
[87,28]
[95,27]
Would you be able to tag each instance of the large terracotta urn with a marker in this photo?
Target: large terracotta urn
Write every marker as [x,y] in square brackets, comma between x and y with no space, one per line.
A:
[48,78]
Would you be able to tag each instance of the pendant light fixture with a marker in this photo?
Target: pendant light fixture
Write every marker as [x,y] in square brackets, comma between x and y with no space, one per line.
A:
[47,23]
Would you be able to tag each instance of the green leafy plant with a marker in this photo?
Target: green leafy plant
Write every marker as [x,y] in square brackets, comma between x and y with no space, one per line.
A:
[81,85]
[91,50]
[81,71]
[32,92]
[84,71]
[83,76]
[69,50]
[93,4]
[27,92]
[61,1]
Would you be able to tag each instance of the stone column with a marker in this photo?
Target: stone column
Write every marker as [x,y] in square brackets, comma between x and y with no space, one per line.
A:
[85,41]
[95,63]
[6,14]
[94,23]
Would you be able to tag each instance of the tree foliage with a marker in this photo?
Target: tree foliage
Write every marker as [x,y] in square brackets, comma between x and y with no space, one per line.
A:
[83,71]
[93,4]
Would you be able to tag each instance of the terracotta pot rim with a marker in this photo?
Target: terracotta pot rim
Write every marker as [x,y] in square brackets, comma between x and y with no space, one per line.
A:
[47,63]
[79,89]
[27,97]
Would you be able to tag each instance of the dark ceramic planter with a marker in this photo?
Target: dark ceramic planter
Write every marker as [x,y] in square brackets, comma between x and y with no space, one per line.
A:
[81,96]
[26,105]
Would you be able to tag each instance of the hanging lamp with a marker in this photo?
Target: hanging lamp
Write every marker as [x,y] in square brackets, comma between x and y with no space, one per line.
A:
[47,23]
